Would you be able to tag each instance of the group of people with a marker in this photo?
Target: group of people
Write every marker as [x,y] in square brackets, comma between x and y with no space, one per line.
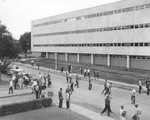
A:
[18,80]
[145,88]
[61,98]
[39,85]
[107,87]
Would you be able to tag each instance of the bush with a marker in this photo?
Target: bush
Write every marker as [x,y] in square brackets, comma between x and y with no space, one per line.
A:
[25,106]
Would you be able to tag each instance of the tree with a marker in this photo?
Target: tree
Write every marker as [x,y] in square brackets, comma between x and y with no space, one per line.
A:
[25,41]
[8,47]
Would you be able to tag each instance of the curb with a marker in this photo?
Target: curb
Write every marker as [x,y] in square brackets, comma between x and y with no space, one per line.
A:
[120,85]
[8,96]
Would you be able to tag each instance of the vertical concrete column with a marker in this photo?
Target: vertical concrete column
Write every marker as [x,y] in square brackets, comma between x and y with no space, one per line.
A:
[55,60]
[66,57]
[108,60]
[128,61]
[47,55]
[78,57]
[91,58]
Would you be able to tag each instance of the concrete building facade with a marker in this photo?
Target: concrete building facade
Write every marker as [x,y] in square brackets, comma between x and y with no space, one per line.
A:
[116,34]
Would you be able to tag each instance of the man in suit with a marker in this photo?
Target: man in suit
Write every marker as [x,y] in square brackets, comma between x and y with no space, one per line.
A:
[107,105]
[60,98]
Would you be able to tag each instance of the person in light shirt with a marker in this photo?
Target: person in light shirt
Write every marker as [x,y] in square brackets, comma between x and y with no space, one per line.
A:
[67,100]
[137,115]
[122,113]
[10,86]
[133,95]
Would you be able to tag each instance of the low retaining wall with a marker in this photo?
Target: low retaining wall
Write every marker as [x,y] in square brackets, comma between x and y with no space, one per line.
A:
[25,106]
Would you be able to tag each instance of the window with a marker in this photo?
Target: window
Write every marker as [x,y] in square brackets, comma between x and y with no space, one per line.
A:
[108,13]
[123,44]
[141,7]
[119,44]
[132,44]
[119,11]
[141,26]
[141,44]
[78,18]
[136,44]
[145,44]
[115,11]
[136,26]
[137,7]
[147,6]
[147,25]
[115,28]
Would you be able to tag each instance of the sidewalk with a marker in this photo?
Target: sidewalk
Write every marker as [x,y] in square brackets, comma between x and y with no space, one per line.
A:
[26,94]
[100,81]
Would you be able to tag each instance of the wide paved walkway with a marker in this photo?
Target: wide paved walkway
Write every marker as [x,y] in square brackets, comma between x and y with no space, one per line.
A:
[83,101]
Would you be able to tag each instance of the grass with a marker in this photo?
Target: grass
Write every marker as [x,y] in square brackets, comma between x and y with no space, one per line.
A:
[130,76]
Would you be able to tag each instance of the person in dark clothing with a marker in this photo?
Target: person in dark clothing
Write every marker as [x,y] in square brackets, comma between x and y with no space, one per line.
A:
[49,82]
[107,105]
[60,98]
[90,84]
[140,86]
[38,66]
[17,67]
[77,81]
[67,77]
[147,86]
[69,69]
[62,69]
[37,91]
[71,85]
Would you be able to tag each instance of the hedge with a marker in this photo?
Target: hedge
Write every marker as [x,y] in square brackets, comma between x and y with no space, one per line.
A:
[25,106]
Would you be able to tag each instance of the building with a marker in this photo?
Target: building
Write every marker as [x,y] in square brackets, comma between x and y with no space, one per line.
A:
[116,34]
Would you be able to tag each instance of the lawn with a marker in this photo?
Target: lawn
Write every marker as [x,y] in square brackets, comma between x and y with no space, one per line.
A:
[124,75]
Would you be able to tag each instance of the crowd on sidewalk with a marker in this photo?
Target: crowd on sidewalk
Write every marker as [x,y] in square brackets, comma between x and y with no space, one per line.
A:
[44,80]
[107,91]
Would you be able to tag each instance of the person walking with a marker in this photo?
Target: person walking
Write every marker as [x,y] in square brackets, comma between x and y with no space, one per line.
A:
[10,86]
[137,115]
[122,113]
[90,83]
[67,77]
[77,81]
[140,86]
[105,86]
[107,105]
[88,73]
[133,95]
[71,85]
[60,98]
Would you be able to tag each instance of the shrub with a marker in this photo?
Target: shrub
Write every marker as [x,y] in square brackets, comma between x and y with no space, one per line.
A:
[24,106]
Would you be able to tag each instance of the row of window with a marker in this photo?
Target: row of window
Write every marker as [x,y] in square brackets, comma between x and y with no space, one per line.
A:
[129,9]
[127,27]
[95,45]
[111,56]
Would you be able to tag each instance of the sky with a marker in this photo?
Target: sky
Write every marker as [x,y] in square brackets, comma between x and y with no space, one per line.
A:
[18,14]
